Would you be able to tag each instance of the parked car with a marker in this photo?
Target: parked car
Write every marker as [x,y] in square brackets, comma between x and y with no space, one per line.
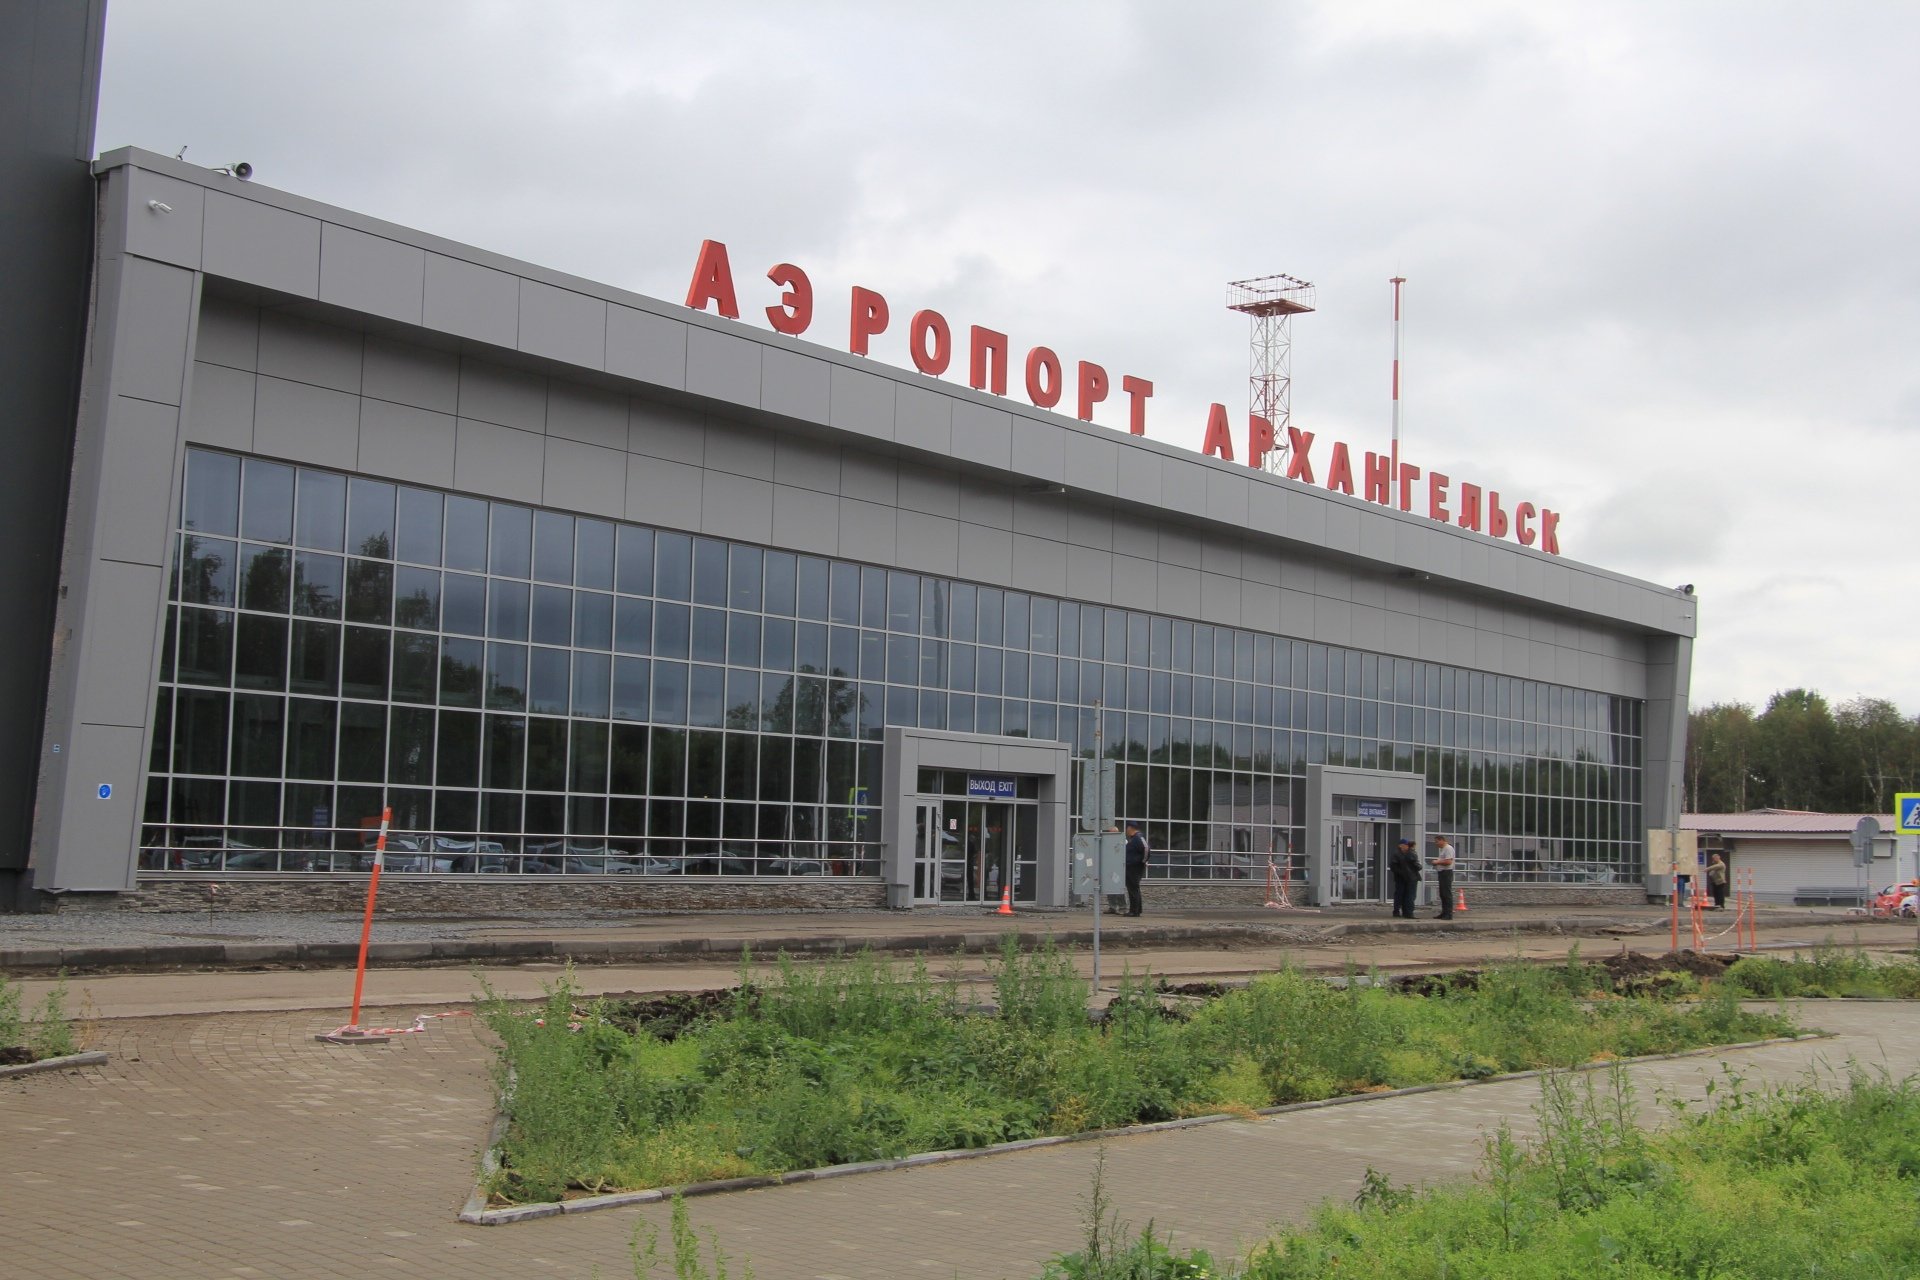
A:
[1901,900]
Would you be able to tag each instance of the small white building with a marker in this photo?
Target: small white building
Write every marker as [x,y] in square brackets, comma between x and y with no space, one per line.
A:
[1804,858]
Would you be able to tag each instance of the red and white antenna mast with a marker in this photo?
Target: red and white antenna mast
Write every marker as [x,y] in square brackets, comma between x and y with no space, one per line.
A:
[1271,302]
[1394,483]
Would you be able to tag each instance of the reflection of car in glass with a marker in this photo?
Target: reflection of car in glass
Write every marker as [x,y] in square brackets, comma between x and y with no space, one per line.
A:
[794,867]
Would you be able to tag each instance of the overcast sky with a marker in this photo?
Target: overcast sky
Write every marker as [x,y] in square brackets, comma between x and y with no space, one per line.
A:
[1663,263]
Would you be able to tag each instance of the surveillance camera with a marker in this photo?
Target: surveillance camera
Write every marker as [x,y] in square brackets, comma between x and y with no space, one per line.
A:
[242,170]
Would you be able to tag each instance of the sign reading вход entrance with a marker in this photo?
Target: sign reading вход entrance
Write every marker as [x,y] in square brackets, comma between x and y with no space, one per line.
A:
[930,344]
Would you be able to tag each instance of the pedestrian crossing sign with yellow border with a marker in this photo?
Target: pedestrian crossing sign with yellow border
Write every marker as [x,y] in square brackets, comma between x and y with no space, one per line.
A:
[1906,811]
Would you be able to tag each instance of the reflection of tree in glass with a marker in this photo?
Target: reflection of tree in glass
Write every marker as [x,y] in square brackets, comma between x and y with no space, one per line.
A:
[203,573]
[375,545]
[265,583]
[415,609]
[805,705]
[459,681]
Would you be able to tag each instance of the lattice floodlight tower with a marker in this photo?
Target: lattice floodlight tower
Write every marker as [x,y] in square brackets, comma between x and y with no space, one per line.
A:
[1271,302]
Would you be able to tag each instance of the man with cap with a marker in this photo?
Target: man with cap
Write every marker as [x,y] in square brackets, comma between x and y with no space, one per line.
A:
[1442,859]
[1403,864]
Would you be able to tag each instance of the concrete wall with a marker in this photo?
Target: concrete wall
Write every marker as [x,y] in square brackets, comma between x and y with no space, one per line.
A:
[249,319]
[49,83]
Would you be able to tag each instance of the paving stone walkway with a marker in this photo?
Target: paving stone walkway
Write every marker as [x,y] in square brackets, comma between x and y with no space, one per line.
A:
[236,1145]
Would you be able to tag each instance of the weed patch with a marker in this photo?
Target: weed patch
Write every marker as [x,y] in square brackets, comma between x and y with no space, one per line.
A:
[858,1059]
[46,1031]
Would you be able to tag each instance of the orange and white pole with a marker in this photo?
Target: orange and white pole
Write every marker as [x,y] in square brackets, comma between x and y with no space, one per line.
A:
[1673,943]
[351,1033]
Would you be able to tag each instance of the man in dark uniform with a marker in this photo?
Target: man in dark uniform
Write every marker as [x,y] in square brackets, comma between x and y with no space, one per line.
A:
[1403,864]
[1136,866]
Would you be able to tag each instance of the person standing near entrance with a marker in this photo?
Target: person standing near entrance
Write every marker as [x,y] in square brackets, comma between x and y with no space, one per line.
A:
[1443,872]
[1717,881]
[1403,865]
[1136,866]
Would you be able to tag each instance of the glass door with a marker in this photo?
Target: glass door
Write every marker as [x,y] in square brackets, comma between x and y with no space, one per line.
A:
[926,851]
[985,846]
[1358,860]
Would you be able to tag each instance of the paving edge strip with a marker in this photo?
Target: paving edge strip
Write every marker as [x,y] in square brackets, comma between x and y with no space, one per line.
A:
[91,1058]
[477,1214]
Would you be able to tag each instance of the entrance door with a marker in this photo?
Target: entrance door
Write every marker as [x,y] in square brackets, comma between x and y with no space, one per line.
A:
[1358,861]
[986,846]
[926,852]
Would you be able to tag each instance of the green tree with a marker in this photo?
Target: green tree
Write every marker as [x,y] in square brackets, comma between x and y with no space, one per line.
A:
[1795,752]
[1720,746]
[1878,754]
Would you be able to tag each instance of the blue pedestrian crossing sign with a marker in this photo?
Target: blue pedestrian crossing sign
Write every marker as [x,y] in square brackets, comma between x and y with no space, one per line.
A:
[1906,810]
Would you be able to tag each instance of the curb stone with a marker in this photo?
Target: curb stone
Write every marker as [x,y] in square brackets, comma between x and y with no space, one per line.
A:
[476,1214]
[91,1058]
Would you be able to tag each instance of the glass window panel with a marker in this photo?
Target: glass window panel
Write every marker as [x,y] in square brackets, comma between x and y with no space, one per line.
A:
[627,760]
[510,541]
[266,501]
[810,707]
[780,574]
[363,742]
[321,518]
[673,575]
[315,665]
[370,518]
[630,687]
[634,564]
[257,735]
[1013,679]
[593,555]
[457,758]
[592,620]
[206,646]
[200,731]
[1043,635]
[549,683]
[318,582]
[310,737]
[989,608]
[743,639]
[364,657]
[410,746]
[933,607]
[552,547]
[503,753]
[506,677]
[903,660]
[961,611]
[546,755]
[587,762]
[460,672]
[810,648]
[709,570]
[742,699]
[466,520]
[465,604]
[418,526]
[206,570]
[706,696]
[814,602]
[456,813]
[264,578]
[778,645]
[873,598]
[776,769]
[672,629]
[709,635]
[415,666]
[703,764]
[667,767]
[260,653]
[742,767]
[903,602]
[1016,620]
[369,591]
[507,610]
[776,702]
[633,625]
[552,615]
[213,492]
[670,692]
[592,676]
[743,578]
[416,598]
[843,652]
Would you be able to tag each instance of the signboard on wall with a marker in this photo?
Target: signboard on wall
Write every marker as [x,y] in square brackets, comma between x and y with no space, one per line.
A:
[1373,809]
[990,786]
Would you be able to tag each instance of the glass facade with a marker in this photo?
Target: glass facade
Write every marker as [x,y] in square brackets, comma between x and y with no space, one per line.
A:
[536,692]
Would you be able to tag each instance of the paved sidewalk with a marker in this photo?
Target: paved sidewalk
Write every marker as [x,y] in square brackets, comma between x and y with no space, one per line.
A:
[235,1145]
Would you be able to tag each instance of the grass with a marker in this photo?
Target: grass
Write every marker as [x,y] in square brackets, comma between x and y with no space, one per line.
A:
[858,1059]
[1829,972]
[1799,1182]
[47,1031]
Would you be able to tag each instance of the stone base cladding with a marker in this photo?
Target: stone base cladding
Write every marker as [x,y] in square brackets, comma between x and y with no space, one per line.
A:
[410,896]
[1253,893]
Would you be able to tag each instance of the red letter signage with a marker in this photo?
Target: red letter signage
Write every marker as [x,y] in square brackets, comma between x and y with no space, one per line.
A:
[1138,390]
[1300,455]
[869,318]
[713,281]
[930,358]
[1219,441]
[795,311]
[982,344]
[1044,391]
[1340,470]
[1259,440]
[1093,389]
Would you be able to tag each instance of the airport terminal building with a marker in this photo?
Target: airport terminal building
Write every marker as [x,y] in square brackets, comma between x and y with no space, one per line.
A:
[613,601]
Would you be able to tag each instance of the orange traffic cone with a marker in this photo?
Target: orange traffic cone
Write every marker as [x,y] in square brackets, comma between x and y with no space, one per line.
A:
[1006,901]
[1460,901]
